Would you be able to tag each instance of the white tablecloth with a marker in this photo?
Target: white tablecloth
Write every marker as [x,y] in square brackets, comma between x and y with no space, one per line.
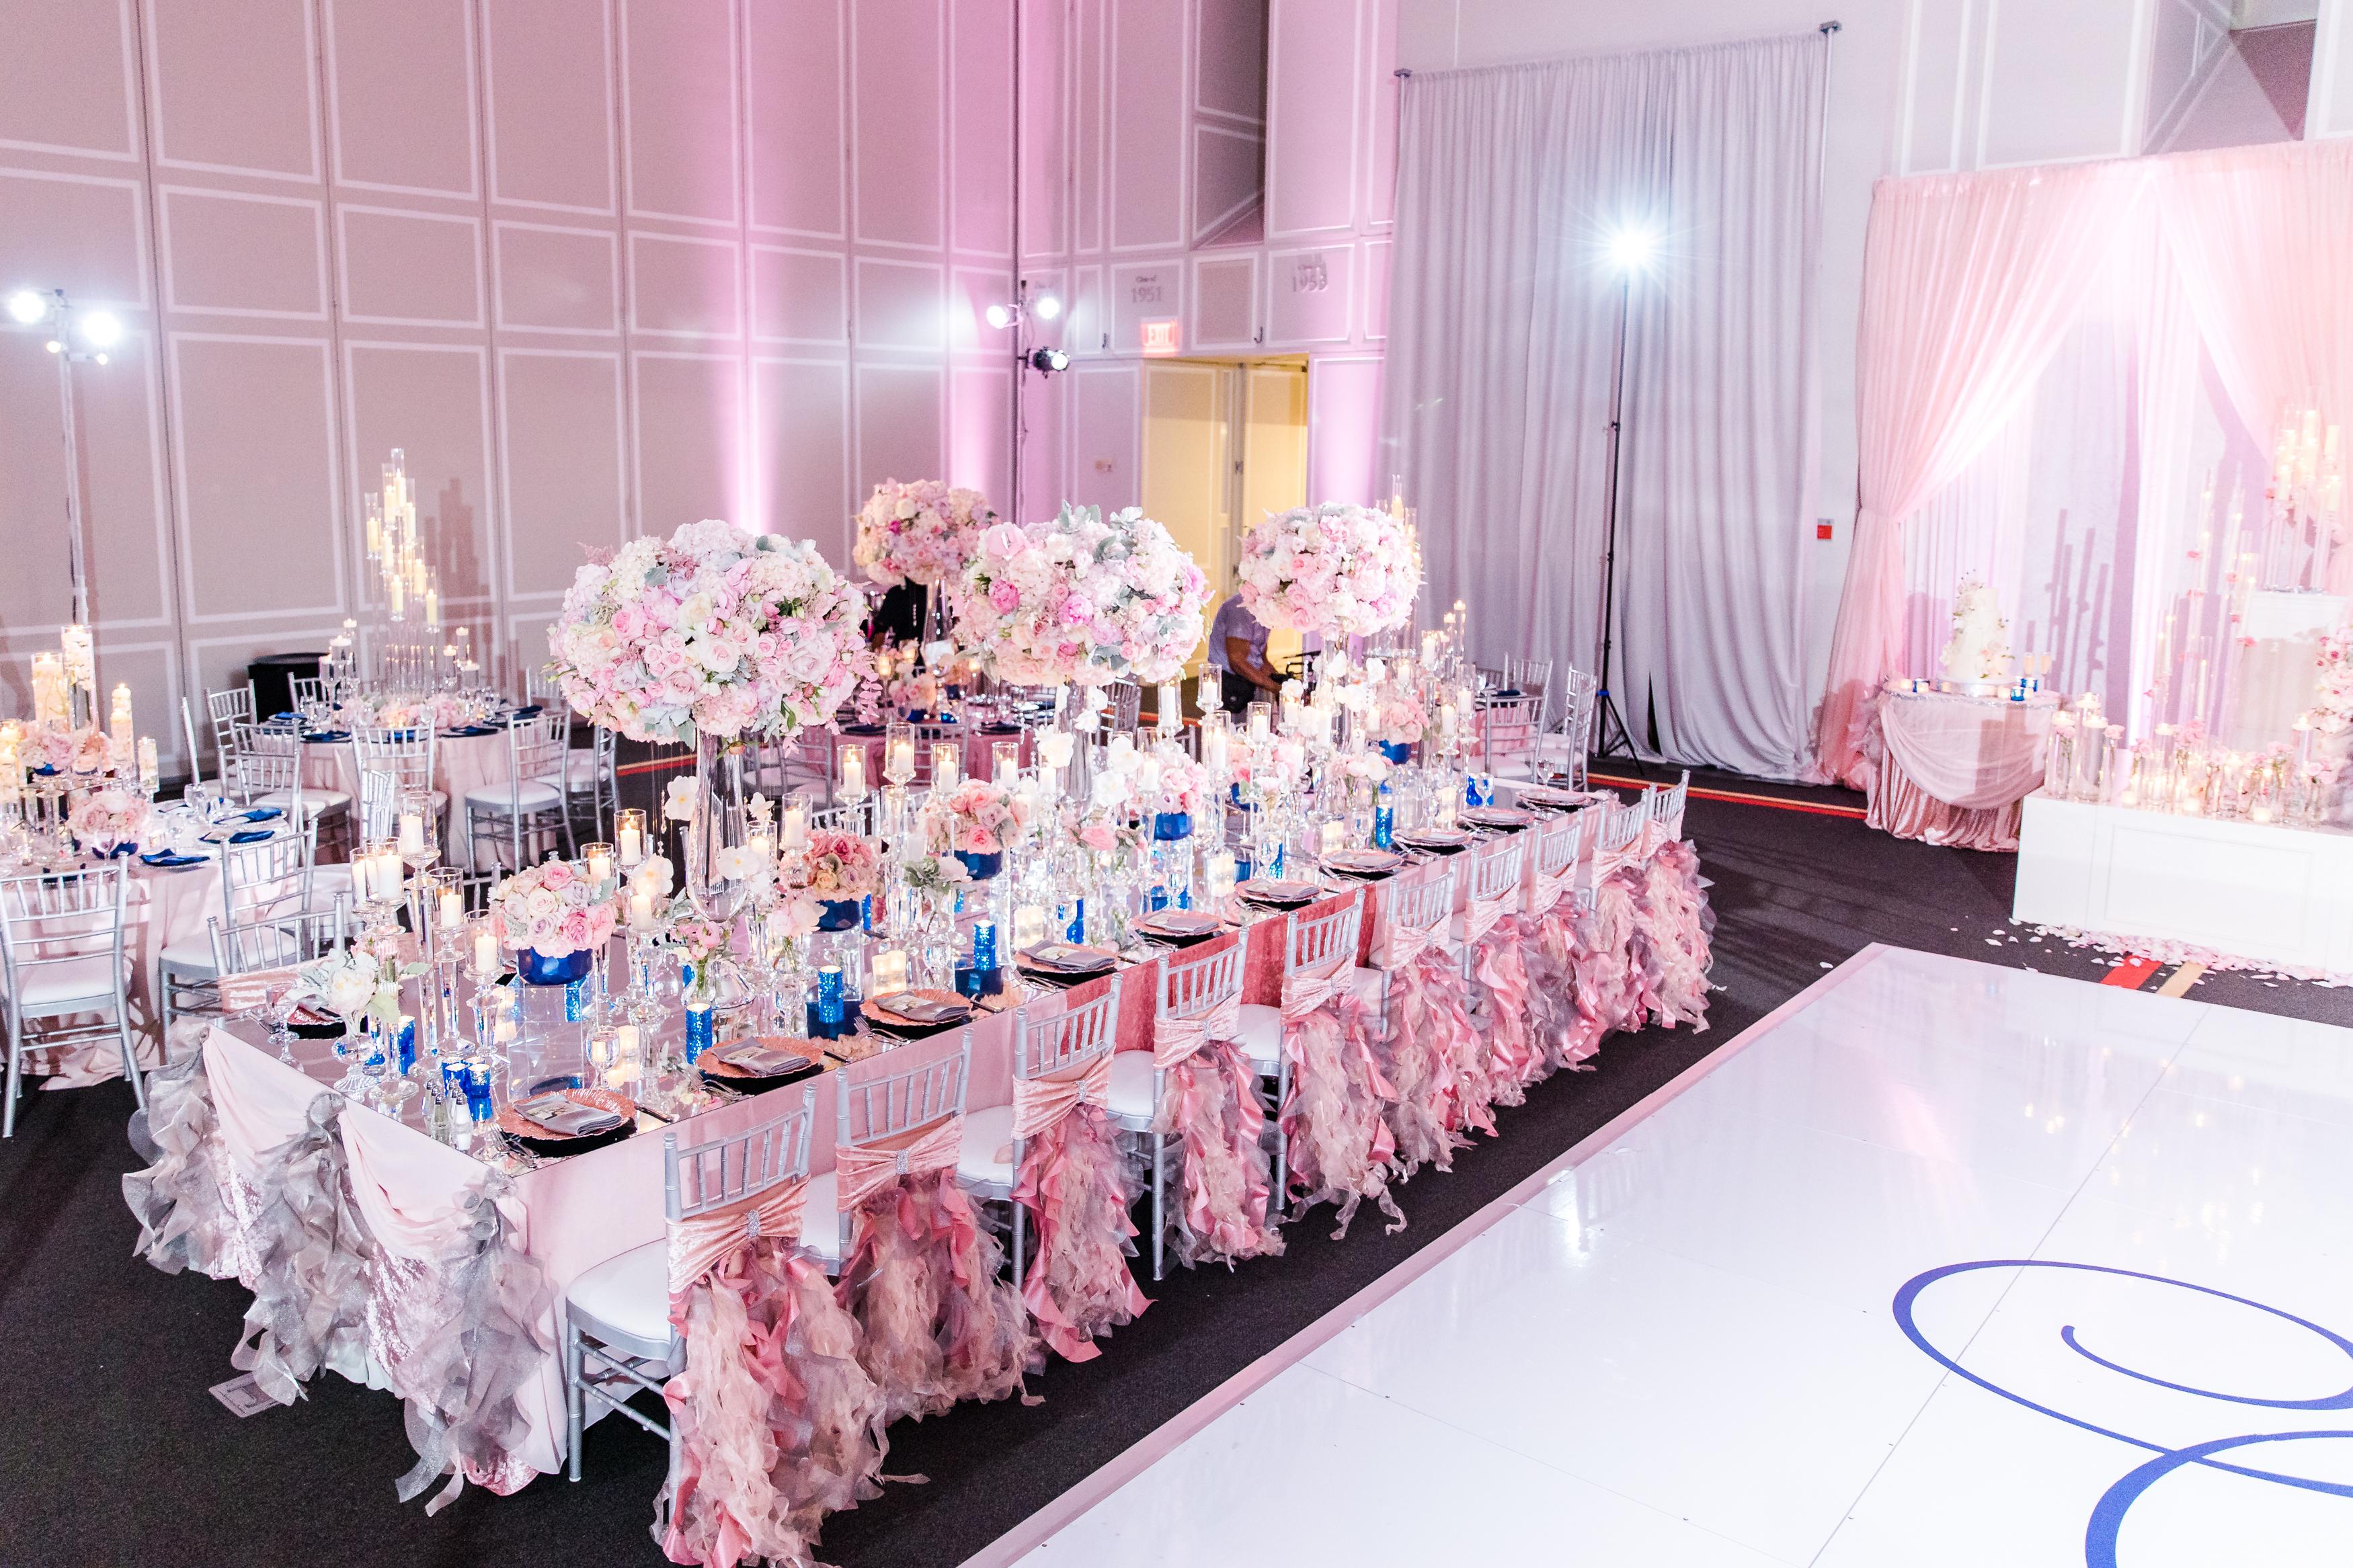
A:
[1952,769]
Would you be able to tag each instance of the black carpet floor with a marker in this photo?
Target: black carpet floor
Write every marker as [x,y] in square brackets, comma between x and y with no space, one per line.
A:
[112,1450]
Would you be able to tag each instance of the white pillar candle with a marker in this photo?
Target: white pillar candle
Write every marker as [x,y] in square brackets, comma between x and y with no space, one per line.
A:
[412,833]
[1213,748]
[486,950]
[632,841]
[600,864]
[795,828]
[641,909]
[853,774]
[890,972]
[149,777]
[1029,927]
[453,908]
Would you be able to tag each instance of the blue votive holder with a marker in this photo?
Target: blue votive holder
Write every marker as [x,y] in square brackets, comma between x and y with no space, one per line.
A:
[474,1081]
[698,1029]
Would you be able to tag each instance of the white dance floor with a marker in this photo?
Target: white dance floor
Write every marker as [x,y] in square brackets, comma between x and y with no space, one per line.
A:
[1946,1264]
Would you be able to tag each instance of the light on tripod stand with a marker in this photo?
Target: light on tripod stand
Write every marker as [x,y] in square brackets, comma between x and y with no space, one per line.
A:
[1000,316]
[1632,248]
[27,306]
[1045,362]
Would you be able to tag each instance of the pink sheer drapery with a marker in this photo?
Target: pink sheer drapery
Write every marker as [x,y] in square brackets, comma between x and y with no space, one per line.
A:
[2263,238]
[1969,282]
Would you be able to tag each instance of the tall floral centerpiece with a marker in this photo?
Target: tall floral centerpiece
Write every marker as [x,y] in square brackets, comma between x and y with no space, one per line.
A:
[1081,598]
[1339,570]
[920,531]
[706,636]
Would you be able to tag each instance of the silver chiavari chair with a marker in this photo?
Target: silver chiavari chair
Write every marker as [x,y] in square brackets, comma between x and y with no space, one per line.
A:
[1509,732]
[1188,988]
[520,819]
[61,953]
[227,710]
[1311,944]
[397,761]
[885,1102]
[1492,874]
[270,879]
[1569,737]
[618,1337]
[275,941]
[1064,1044]
[269,773]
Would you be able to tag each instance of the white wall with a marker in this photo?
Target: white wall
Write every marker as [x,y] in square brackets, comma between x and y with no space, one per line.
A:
[1916,87]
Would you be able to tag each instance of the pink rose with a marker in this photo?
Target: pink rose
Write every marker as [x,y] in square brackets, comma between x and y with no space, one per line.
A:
[1004,596]
[1003,540]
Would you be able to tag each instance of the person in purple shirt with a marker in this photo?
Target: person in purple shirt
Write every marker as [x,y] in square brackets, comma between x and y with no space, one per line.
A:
[1238,652]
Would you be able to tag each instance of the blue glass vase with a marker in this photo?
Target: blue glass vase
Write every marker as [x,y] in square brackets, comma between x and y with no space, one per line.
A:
[536,968]
[981,868]
[836,914]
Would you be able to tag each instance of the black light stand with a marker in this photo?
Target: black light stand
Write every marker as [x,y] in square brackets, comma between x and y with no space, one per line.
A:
[1611,738]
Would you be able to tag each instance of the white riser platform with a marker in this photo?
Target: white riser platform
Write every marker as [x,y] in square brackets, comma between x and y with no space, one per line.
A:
[2283,895]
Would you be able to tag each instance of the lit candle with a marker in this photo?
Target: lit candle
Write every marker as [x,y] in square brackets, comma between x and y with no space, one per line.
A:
[631,838]
[397,597]
[412,833]
[453,908]
[1169,705]
[1260,721]
[853,774]
[1007,756]
[947,765]
[625,1044]
[1029,927]
[1335,837]
[503,1031]
[600,863]
[1213,748]
[1218,869]
[796,827]
[890,972]
[901,764]
[374,528]
[392,875]
[149,777]
[486,951]
[641,909]
[433,608]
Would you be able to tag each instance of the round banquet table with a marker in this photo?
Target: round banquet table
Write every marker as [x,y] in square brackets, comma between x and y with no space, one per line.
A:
[163,905]
[1952,769]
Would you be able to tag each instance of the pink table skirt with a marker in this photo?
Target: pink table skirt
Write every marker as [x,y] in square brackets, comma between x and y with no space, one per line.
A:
[1902,807]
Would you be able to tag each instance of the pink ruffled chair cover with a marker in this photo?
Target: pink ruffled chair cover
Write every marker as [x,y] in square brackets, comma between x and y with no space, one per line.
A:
[1427,1039]
[1334,1119]
[1078,1187]
[1672,923]
[937,1322]
[1225,1188]
[778,1425]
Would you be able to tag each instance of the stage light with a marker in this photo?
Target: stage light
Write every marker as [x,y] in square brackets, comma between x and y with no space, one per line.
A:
[1047,361]
[1000,316]
[1632,247]
[102,328]
[1047,307]
[29,305]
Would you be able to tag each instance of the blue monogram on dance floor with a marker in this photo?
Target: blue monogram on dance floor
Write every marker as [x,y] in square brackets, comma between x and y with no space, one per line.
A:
[2108,1514]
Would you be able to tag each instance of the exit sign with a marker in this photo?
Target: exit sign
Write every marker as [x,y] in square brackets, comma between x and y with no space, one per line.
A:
[1160,337]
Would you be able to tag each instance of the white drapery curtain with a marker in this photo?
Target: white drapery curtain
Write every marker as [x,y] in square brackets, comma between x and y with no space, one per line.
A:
[1503,320]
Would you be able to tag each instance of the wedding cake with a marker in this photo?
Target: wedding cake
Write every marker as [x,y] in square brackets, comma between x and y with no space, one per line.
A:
[1980,648]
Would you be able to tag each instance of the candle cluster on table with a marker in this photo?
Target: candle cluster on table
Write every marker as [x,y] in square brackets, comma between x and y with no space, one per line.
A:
[2179,771]
[56,765]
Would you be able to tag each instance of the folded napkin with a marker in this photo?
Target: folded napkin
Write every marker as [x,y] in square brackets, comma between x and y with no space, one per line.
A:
[325,737]
[760,1061]
[1363,862]
[262,813]
[1178,922]
[1269,890]
[861,729]
[166,860]
[1067,956]
[914,1009]
[531,712]
[566,1117]
[468,729]
[252,836]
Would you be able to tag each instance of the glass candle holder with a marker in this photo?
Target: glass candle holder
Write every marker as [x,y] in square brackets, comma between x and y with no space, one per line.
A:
[629,843]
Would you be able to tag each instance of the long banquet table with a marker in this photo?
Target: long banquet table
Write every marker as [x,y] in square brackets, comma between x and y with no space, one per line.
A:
[574,1213]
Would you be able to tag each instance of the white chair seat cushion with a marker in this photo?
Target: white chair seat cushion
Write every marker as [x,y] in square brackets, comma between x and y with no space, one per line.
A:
[1370,986]
[313,800]
[580,770]
[1261,1036]
[821,1217]
[502,797]
[72,980]
[1131,1090]
[629,1294]
[189,955]
[987,1158]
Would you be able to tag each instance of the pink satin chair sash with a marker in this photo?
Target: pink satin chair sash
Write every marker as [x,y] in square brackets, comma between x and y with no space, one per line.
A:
[1400,944]
[1039,1102]
[1480,915]
[255,989]
[858,1173]
[699,1245]
[1305,990]
[1542,891]
[1175,1039]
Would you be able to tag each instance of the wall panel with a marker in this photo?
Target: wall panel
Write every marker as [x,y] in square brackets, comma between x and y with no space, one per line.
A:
[400,95]
[796,53]
[258,498]
[564,428]
[66,81]
[679,109]
[899,101]
[232,87]
[549,79]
